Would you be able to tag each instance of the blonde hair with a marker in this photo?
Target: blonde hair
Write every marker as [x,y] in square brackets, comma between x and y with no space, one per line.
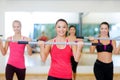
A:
[17,21]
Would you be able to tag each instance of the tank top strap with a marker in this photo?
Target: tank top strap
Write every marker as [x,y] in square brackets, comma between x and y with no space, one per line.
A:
[54,40]
[10,38]
[110,41]
[23,37]
[66,40]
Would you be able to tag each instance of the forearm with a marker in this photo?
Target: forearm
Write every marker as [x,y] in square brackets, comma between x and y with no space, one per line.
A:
[44,50]
[92,49]
[78,53]
[29,50]
[42,54]
[3,51]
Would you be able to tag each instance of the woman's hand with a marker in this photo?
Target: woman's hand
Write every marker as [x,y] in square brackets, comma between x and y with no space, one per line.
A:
[41,44]
[80,44]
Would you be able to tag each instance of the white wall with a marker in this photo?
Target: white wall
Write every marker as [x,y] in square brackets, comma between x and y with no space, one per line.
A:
[93,17]
[57,6]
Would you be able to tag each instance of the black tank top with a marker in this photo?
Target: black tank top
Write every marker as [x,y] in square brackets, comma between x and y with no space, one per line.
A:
[104,48]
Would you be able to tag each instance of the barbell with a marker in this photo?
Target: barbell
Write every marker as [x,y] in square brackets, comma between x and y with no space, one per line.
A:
[58,43]
[49,43]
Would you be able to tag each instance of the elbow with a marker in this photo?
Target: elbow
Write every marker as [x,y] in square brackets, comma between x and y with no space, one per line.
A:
[43,59]
[29,52]
[77,59]
[3,53]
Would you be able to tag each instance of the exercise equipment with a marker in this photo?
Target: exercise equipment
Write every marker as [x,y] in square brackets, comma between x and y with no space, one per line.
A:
[58,43]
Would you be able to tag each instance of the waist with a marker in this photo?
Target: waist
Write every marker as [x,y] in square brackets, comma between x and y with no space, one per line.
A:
[104,57]
[61,71]
[17,62]
[55,78]
[100,62]
[104,51]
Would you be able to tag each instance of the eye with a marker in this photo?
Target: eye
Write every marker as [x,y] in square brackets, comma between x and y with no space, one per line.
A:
[64,27]
[101,28]
[18,27]
[58,26]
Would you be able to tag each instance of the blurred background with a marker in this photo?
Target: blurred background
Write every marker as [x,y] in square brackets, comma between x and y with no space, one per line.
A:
[38,18]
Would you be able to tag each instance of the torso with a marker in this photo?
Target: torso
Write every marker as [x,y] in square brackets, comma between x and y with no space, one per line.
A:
[60,61]
[104,51]
[16,57]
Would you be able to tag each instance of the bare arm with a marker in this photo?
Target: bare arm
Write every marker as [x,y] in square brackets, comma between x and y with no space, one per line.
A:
[77,50]
[5,48]
[115,49]
[92,48]
[44,50]
[1,47]
[29,48]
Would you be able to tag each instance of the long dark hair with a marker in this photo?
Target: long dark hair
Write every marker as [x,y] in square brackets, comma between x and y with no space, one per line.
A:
[63,21]
[72,26]
[106,23]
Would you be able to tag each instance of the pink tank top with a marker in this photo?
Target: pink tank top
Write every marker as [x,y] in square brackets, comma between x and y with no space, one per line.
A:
[60,62]
[16,57]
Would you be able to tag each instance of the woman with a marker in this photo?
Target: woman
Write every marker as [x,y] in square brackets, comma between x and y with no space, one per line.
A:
[16,61]
[72,37]
[60,68]
[103,67]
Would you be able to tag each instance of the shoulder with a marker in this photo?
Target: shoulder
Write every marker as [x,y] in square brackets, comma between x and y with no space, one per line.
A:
[26,38]
[113,41]
[71,39]
[9,38]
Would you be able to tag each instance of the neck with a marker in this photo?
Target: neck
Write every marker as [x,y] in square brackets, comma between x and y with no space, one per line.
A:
[104,36]
[17,35]
[60,38]
[72,35]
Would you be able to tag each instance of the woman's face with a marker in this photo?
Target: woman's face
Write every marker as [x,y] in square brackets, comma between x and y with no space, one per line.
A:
[16,27]
[104,30]
[72,31]
[61,28]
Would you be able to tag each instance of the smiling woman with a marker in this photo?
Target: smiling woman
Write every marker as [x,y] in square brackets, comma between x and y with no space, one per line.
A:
[24,17]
